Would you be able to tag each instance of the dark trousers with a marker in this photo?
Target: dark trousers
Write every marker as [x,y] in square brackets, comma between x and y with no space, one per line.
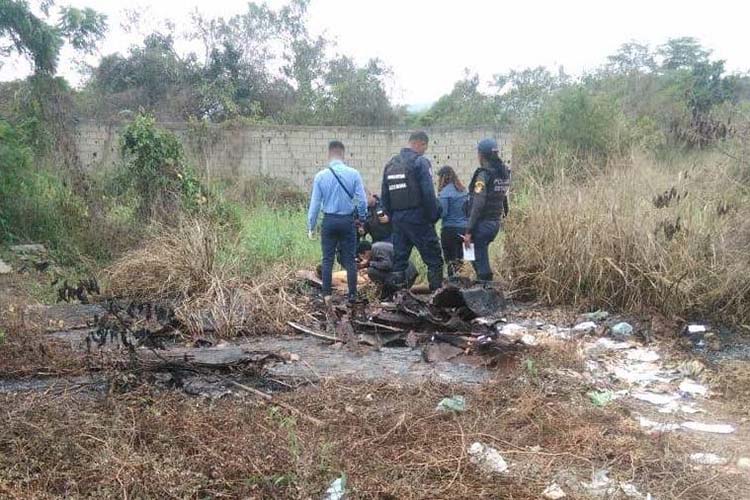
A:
[406,236]
[453,253]
[387,281]
[484,233]
[339,235]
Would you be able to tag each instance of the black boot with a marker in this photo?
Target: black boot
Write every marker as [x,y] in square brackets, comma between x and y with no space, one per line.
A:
[397,280]
[435,278]
[485,280]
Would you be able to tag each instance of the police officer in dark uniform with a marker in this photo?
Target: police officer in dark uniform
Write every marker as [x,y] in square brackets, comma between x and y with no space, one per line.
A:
[488,204]
[408,197]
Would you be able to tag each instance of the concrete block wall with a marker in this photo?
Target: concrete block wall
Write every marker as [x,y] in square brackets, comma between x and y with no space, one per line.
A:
[292,152]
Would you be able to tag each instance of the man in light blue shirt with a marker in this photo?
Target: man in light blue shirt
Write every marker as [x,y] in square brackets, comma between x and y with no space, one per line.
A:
[339,192]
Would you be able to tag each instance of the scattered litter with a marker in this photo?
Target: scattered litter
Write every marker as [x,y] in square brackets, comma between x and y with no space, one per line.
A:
[696,329]
[656,399]
[743,463]
[585,326]
[453,403]
[597,315]
[657,426]
[605,343]
[630,491]
[675,406]
[712,428]
[644,355]
[553,492]
[708,459]
[600,483]
[592,365]
[336,490]
[641,373]
[5,268]
[694,388]
[621,330]
[513,330]
[488,459]
[528,339]
[601,398]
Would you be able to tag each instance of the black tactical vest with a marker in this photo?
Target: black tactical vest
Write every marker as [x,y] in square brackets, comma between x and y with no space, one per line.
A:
[496,205]
[403,187]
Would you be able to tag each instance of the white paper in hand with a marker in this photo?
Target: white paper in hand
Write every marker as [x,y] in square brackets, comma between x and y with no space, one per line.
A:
[469,253]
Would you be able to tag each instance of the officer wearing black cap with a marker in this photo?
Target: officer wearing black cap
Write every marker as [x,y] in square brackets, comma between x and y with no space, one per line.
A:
[488,204]
[408,197]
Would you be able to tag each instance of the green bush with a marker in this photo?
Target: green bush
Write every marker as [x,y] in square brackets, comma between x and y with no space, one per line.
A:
[155,168]
[575,131]
[35,205]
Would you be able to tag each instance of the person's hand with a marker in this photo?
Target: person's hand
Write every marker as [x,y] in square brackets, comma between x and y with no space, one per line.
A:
[467,240]
[311,234]
[383,219]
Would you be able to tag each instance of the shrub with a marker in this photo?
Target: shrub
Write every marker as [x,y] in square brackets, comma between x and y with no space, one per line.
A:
[576,131]
[155,167]
[35,205]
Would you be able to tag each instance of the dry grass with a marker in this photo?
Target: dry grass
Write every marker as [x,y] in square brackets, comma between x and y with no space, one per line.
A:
[386,437]
[182,265]
[609,242]
[175,263]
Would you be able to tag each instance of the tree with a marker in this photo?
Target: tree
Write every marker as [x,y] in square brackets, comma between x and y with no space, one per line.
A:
[631,57]
[465,105]
[34,37]
[356,95]
[682,53]
[522,93]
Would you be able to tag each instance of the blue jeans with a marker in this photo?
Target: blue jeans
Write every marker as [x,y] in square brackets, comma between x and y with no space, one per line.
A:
[339,235]
[406,236]
[484,233]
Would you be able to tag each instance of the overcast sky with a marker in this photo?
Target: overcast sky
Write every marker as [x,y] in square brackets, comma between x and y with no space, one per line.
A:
[429,43]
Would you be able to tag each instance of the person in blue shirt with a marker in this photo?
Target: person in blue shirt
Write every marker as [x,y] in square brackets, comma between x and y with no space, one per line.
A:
[339,192]
[408,197]
[452,196]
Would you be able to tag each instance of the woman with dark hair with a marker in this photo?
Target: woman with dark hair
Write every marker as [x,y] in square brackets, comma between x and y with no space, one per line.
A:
[488,204]
[452,196]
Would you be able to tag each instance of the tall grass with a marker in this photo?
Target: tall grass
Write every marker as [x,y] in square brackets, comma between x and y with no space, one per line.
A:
[644,235]
[268,236]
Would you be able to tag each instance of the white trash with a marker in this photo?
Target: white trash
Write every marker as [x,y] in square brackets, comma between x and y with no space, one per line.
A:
[644,355]
[336,490]
[528,339]
[630,491]
[585,326]
[513,330]
[641,373]
[675,406]
[696,329]
[657,426]
[712,428]
[5,268]
[553,492]
[600,483]
[689,386]
[743,463]
[655,398]
[488,459]
[708,459]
